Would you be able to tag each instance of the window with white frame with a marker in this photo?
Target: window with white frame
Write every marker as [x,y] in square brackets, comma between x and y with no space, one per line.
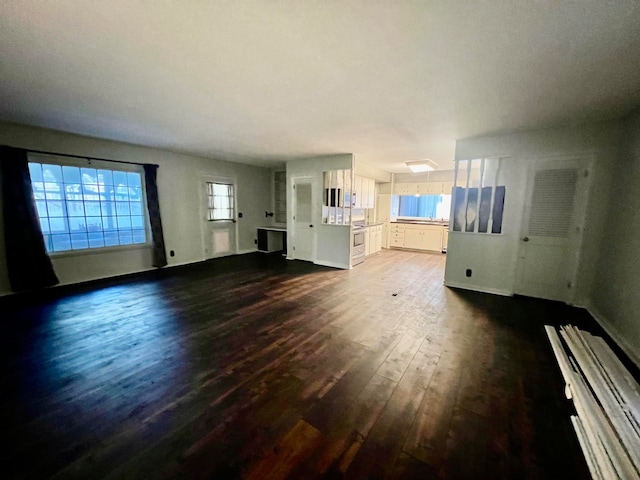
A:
[86,207]
[220,204]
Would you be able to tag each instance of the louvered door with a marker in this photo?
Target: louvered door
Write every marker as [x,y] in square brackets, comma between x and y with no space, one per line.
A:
[552,229]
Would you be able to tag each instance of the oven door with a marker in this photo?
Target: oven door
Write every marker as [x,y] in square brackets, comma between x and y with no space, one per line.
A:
[358,238]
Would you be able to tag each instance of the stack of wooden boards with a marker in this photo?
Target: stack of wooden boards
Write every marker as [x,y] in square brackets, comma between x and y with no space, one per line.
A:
[606,399]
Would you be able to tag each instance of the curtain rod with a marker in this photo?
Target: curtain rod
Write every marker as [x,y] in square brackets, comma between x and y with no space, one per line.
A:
[87,157]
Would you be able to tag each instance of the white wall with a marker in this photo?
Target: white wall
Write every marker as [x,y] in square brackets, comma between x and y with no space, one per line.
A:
[615,297]
[499,252]
[178,189]
[370,171]
[333,245]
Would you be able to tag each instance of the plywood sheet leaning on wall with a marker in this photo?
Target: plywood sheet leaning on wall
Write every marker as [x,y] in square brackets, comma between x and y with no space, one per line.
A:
[607,402]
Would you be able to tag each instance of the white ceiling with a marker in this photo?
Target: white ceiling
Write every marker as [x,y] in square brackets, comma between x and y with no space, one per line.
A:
[263,82]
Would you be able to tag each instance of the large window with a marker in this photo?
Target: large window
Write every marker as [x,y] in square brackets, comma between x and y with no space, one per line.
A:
[220,201]
[87,207]
[432,207]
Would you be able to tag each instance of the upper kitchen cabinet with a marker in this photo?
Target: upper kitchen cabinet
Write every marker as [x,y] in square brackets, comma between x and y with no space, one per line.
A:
[423,188]
[364,190]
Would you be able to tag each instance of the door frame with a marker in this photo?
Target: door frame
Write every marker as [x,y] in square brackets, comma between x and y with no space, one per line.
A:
[294,204]
[203,179]
[584,163]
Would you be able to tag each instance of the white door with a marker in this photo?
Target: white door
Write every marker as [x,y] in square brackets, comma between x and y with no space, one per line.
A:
[552,230]
[218,216]
[303,227]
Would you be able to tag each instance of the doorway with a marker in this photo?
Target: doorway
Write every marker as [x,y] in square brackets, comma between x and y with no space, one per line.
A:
[218,216]
[303,227]
[551,234]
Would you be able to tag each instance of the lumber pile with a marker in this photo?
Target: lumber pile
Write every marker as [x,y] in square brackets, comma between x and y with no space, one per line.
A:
[606,399]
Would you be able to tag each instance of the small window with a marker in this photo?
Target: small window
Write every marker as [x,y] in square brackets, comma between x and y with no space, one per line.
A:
[220,205]
[81,208]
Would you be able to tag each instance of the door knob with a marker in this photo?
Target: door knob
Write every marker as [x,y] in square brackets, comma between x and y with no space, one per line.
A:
[525,239]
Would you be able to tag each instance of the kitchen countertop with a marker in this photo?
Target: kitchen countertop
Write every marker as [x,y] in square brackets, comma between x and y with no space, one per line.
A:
[421,222]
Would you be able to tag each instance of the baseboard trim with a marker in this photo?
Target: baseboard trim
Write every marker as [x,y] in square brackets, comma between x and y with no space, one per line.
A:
[332,265]
[614,335]
[476,288]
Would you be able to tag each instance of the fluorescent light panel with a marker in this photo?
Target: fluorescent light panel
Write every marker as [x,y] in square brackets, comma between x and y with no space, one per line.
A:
[422,166]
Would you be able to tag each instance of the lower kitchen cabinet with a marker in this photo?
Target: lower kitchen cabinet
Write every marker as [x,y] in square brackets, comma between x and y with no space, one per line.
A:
[373,239]
[417,237]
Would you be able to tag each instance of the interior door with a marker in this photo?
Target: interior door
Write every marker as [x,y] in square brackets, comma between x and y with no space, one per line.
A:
[303,227]
[552,230]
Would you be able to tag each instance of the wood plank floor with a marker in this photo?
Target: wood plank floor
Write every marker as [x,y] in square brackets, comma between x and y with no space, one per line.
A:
[255,367]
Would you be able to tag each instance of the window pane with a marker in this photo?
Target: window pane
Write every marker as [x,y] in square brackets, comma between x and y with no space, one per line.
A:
[52,173]
[57,225]
[89,176]
[61,242]
[120,178]
[91,193]
[139,236]
[111,238]
[134,179]
[122,208]
[44,225]
[53,191]
[124,222]
[79,241]
[73,191]
[105,177]
[35,172]
[108,208]
[71,174]
[41,206]
[55,209]
[125,236]
[135,194]
[38,189]
[94,224]
[92,209]
[75,209]
[96,239]
[109,223]
[137,222]
[136,208]
[122,193]
[77,224]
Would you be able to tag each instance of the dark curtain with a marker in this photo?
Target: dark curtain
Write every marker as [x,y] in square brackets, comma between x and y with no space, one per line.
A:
[28,264]
[157,237]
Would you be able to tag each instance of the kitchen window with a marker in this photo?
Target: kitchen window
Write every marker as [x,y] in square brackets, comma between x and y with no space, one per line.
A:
[87,207]
[220,205]
[432,207]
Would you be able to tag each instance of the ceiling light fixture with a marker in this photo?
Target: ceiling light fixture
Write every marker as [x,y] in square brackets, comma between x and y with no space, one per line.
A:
[422,165]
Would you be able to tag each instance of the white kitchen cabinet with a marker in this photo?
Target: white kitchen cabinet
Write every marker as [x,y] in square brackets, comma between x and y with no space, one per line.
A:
[413,239]
[432,239]
[383,212]
[416,237]
[365,192]
[407,189]
[373,239]
[446,188]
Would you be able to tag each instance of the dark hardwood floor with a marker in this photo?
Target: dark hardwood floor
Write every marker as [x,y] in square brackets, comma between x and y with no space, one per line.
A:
[255,367]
